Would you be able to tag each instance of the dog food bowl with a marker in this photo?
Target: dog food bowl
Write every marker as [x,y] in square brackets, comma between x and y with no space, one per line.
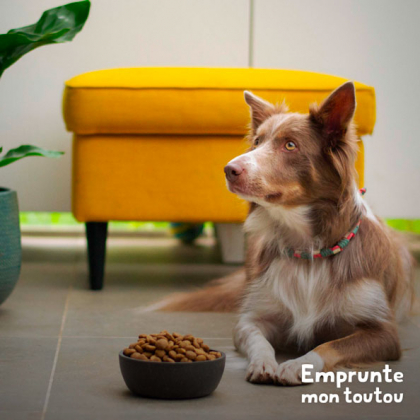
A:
[179,380]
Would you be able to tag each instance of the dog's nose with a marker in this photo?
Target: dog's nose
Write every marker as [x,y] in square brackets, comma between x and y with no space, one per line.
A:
[232,171]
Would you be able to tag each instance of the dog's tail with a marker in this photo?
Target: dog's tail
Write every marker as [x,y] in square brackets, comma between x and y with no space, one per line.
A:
[221,295]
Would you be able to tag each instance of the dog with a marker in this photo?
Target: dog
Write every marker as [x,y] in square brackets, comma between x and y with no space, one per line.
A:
[323,274]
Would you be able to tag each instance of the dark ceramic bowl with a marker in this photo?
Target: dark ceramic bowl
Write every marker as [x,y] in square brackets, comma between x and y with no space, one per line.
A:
[171,380]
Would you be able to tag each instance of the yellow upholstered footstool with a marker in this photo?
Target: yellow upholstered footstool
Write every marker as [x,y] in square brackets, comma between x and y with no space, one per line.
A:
[151,143]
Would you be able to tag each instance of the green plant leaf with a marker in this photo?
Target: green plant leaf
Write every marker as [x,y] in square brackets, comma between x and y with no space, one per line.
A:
[60,24]
[24,151]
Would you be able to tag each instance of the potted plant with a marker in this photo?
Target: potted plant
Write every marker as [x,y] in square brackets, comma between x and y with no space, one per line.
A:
[57,25]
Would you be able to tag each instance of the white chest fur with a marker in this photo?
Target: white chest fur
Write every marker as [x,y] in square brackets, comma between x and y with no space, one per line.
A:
[300,292]
[305,294]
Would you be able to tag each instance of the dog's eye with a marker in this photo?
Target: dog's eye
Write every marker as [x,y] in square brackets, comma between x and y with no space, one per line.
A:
[290,146]
[257,142]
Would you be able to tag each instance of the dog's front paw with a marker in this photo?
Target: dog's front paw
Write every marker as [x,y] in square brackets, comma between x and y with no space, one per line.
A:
[261,371]
[290,373]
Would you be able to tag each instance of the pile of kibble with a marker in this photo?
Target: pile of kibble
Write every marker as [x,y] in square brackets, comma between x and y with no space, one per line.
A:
[171,348]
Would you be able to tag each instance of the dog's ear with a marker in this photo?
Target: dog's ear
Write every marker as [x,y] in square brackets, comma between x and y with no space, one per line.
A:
[336,112]
[260,109]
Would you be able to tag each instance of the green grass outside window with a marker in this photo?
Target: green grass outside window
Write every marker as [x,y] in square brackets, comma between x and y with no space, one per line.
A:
[60,220]
[34,219]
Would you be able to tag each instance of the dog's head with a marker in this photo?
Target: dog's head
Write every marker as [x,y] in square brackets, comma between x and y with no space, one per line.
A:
[297,159]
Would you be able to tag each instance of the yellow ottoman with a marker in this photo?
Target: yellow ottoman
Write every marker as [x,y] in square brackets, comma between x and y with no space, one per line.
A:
[151,143]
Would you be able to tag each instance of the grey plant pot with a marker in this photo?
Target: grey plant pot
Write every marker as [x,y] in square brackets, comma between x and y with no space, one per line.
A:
[10,247]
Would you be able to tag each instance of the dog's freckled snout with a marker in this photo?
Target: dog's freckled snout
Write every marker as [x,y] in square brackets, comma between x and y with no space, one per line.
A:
[232,171]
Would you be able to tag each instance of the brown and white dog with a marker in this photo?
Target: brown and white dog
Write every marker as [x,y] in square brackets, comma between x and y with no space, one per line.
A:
[300,179]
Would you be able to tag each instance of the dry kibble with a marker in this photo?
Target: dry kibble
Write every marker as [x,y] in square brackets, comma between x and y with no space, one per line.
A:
[192,355]
[129,352]
[150,340]
[170,348]
[139,356]
[162,344]
[135,355]
[160,353]
[149,347]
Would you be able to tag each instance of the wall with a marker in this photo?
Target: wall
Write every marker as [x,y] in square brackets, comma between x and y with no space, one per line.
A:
[372,41]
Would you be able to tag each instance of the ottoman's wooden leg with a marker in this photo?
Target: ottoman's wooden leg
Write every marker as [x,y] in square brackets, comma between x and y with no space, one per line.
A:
[96,233]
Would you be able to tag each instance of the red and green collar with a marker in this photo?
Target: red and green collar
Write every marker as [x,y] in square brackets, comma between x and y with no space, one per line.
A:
[327,252]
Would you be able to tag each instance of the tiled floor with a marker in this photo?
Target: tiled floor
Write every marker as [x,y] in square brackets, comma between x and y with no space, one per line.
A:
[59,341]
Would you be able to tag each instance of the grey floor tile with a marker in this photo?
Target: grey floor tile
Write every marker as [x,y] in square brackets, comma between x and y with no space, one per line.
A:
[20,415]
[35,307]
[164,250]
[132,248]
[117,310]
[88,384]
[88,381]
[25,369]
[53,249]
[118,315]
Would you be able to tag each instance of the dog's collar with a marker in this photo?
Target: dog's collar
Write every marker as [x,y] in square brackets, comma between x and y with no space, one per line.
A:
[327,252]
